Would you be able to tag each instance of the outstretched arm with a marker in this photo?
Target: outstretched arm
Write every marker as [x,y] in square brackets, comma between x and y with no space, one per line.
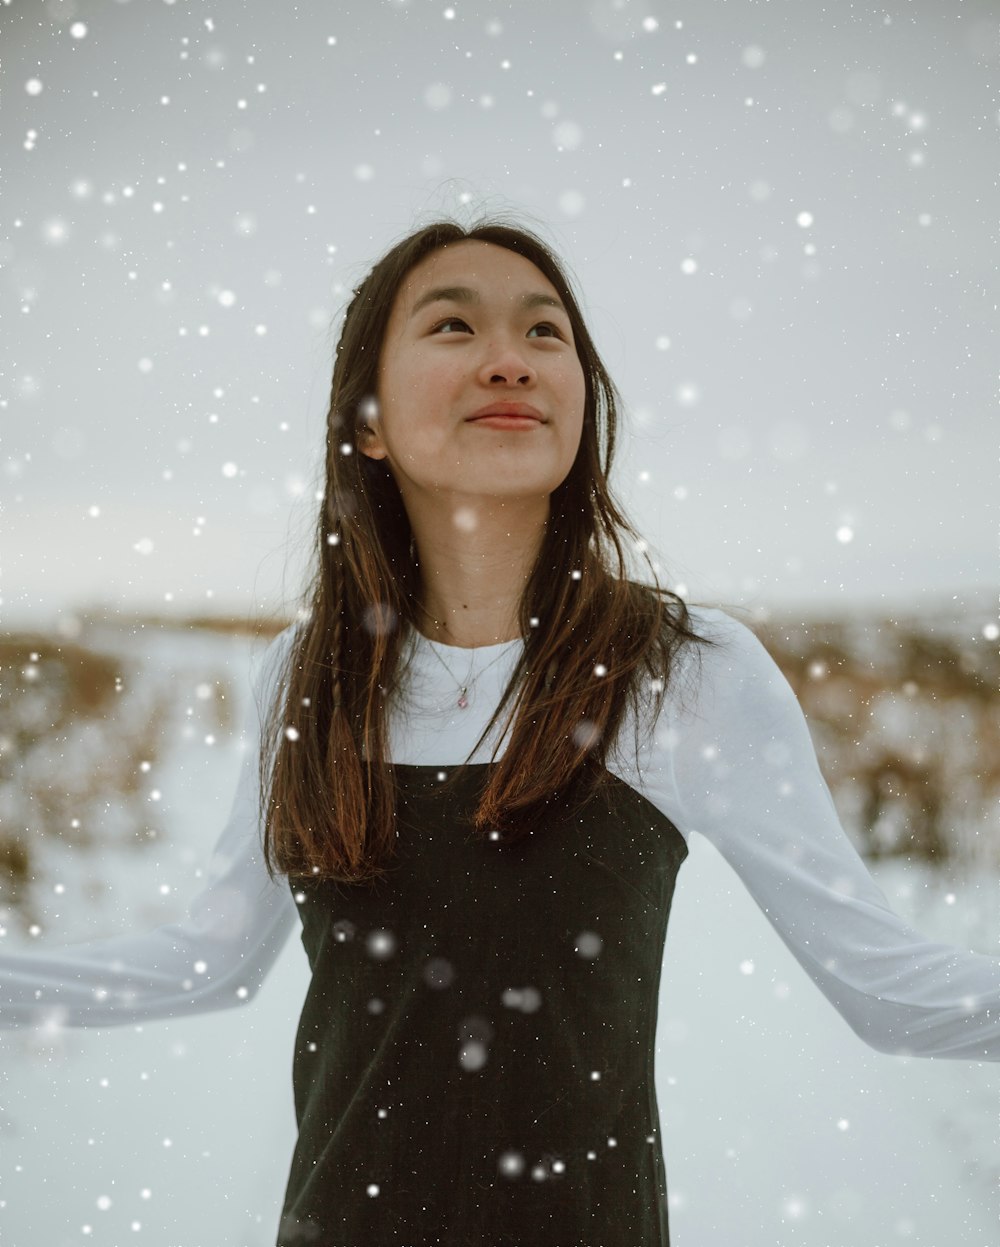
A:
[215,958]
[746,777]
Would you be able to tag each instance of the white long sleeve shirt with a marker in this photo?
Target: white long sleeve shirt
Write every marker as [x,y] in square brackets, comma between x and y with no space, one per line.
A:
[729,757]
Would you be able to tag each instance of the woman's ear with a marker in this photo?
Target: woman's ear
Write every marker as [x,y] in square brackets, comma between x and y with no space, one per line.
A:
[370,444]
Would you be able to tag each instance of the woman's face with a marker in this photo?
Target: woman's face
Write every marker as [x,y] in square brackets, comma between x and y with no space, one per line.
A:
[503,338]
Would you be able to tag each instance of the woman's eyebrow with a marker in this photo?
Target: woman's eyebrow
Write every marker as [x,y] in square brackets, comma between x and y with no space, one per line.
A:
[465,294]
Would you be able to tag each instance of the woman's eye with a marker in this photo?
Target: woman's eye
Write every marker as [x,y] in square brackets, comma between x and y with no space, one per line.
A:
[545,325]
[452,320]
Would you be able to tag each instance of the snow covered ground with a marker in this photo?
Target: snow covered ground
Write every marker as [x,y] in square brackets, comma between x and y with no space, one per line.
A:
[781,1128]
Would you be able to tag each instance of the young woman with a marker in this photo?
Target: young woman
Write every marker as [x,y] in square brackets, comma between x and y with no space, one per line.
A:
[483,751]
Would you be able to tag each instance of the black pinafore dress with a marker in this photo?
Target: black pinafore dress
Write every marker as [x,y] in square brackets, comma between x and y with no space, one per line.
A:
[474,1060]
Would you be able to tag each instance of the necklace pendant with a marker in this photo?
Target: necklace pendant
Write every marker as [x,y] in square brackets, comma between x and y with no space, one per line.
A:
[462,701]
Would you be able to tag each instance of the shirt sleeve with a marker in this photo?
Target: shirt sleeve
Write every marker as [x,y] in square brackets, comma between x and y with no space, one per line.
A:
[746,777]
[215,958]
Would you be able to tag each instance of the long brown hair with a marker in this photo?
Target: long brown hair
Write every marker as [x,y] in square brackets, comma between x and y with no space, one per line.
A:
[593,638]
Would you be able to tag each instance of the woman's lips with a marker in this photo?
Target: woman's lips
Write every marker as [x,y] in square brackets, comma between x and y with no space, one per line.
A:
[507,407]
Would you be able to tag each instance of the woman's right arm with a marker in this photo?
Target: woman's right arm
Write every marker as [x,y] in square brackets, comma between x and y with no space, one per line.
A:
[215,958]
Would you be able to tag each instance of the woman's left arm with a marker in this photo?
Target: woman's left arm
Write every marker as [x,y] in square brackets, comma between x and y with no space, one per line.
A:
[746,777]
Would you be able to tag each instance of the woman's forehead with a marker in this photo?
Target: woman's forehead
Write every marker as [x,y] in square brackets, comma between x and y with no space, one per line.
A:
[482,266]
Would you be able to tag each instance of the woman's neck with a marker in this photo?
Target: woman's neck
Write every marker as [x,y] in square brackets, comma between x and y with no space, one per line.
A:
[472,580]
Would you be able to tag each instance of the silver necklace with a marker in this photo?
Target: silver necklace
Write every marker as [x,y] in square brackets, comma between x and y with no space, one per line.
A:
[463,700]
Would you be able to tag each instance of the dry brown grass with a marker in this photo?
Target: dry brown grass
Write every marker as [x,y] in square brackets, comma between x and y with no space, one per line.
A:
[224,625]
[907,727]
[71,743]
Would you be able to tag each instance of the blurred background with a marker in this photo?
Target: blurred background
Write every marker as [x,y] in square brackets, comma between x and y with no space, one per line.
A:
[781,220]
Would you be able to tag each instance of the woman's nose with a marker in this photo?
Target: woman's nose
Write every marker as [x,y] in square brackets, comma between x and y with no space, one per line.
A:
[506,362]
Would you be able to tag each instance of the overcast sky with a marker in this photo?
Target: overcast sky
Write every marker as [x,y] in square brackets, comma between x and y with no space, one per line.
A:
[782,218]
